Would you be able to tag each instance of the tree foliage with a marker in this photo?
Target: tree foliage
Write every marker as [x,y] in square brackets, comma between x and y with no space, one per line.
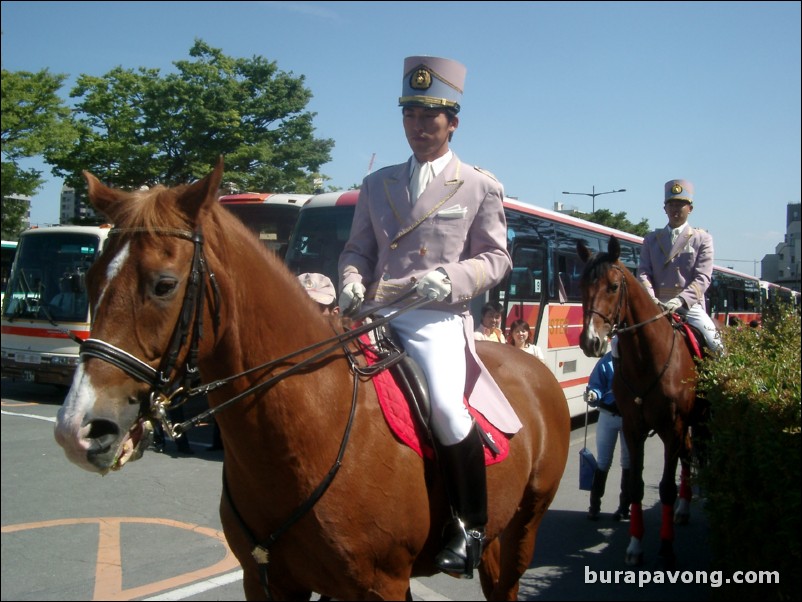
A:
[139,127]
[752,470]
[619,221]
[35,121]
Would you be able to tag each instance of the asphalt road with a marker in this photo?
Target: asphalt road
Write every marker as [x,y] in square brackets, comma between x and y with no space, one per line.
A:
[152,531]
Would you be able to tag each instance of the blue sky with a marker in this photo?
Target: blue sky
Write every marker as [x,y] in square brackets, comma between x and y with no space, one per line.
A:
[559,96]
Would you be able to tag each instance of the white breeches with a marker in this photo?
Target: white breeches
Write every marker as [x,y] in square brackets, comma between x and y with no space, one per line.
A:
[698,318]
[436,340]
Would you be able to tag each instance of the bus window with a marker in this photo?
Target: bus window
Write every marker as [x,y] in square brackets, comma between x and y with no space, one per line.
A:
[319,238]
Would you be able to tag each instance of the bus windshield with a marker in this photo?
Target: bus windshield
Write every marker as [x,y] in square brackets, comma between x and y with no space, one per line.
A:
[318,240]
[49,280]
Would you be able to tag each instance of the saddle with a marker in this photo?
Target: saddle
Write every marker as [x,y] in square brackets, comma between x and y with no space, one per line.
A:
[403,394]
[693,336]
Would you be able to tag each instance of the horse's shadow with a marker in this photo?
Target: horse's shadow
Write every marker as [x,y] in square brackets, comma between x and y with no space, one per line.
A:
[576,559]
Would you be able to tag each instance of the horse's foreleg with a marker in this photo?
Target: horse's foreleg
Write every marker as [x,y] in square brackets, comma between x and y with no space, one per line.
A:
[668,496]
[683,512]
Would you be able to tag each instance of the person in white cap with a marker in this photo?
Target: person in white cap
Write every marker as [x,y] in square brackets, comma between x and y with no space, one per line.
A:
[676,263]
[321,290]
[437,224]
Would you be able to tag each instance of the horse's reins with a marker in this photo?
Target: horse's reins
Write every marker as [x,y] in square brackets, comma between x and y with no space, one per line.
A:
[164,390]
[166,393]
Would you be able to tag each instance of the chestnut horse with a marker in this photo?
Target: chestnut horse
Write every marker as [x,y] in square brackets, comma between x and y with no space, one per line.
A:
[654,384]
[319,495]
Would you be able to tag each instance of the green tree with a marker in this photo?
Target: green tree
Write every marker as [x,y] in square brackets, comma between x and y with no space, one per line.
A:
[35,121]
[619,221]
[142,127]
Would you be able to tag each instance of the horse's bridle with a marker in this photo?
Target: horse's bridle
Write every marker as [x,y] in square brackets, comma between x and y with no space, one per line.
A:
[615,328]
[165,385]
[615,322]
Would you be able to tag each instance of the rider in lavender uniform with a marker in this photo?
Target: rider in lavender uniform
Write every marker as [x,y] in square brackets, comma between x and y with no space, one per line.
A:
[437,224]
[676,263]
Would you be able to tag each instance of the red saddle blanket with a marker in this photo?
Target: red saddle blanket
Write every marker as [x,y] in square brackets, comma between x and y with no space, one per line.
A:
[692,337]
[408,429]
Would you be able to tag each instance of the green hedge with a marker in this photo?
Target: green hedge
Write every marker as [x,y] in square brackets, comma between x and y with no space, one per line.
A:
[751,477]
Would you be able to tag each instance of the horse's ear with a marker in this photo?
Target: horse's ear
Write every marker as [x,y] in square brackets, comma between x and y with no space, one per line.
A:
[103,198]
[204,191]
[614,249]
[583,252]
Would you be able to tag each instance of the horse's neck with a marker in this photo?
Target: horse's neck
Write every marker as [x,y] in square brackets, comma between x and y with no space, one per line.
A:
[265,316]
[649,335]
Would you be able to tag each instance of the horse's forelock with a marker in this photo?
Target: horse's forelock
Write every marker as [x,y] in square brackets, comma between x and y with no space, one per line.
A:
[153,209]
[597,265]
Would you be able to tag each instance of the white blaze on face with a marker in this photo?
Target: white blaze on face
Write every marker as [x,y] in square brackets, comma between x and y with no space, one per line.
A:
[115,266]
[70,430]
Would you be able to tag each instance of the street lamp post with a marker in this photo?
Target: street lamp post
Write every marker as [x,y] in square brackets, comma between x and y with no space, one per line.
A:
[594,194]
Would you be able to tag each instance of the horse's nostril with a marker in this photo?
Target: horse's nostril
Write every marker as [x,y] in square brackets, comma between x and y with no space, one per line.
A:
[102,433]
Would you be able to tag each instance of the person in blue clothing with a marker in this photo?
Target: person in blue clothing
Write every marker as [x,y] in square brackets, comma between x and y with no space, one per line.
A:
[599,394]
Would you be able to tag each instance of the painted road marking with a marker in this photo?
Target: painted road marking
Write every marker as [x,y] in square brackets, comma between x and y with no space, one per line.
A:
[109,568]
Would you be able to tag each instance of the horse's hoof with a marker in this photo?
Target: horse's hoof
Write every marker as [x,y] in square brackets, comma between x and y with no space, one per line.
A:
[681,518]
[633,559]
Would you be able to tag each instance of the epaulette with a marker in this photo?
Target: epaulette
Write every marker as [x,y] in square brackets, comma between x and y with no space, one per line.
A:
[484,171]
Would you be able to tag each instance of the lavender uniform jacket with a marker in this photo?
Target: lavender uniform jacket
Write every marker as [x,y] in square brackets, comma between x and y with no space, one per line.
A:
[683,269]
[457,224]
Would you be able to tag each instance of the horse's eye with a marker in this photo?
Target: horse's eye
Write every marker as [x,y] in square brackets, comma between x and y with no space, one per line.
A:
[613,287]
[165,286]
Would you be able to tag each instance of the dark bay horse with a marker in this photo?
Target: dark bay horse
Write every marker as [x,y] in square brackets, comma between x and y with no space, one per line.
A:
[182,283]
[654,384]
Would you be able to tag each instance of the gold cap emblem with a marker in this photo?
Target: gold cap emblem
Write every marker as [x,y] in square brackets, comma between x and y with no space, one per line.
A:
[676,189]
[421,79]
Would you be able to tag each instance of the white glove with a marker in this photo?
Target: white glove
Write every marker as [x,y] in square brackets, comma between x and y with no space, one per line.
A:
[591,397]
[351,298]
[434,285]
[673,305]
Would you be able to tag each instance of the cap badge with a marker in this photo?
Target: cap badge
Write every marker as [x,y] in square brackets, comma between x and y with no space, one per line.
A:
[676,189]
[421,79]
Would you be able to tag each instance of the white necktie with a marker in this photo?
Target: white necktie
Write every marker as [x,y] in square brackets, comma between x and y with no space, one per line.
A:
[674,235]
[421,176]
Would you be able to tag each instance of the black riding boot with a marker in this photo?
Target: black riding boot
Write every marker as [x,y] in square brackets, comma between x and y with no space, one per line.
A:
[624,499]
[463,469]
[597,493]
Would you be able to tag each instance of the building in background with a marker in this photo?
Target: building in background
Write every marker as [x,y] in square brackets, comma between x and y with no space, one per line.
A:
[782,266]
[73,209]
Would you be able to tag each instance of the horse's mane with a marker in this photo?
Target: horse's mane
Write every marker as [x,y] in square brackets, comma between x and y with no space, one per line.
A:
[160,208]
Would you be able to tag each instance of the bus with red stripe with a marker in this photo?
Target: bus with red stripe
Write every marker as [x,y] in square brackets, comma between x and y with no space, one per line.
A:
[543,286]
[45,307]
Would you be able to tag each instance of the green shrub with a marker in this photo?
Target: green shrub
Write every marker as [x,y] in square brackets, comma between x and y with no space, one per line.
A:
[751,477]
